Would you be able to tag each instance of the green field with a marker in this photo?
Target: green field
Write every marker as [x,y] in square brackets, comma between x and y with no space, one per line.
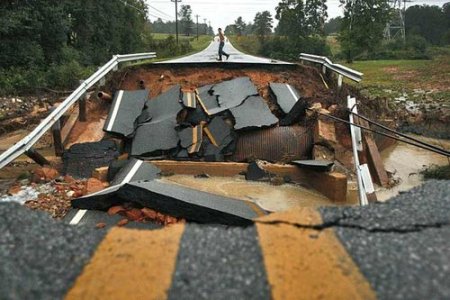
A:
[197,45]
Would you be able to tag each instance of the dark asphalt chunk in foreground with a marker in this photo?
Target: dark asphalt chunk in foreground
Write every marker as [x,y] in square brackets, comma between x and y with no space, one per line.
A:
[214,263]
[40,258]
[402,247]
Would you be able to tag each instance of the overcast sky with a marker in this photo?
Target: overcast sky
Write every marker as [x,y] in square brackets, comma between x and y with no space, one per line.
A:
[223,12]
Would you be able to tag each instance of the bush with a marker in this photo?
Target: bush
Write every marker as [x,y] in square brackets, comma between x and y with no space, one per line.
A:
[66,75]
[284,48]
[16,80]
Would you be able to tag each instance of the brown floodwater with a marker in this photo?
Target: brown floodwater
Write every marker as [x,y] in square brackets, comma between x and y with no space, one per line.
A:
[406,162]
[267,196]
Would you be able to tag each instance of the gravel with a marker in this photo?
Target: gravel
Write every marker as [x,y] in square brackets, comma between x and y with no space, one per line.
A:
[40,258]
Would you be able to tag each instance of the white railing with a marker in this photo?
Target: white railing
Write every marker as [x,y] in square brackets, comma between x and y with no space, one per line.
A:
[27,142]
[339,69]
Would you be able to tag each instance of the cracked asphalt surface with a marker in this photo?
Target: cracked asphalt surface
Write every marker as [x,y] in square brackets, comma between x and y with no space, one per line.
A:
[401,247]
[40,258]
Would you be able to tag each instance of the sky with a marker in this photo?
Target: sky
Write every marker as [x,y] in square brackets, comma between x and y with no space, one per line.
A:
[224,12]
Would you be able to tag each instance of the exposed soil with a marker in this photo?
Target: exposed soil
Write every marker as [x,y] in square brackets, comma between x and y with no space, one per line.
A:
[159,79]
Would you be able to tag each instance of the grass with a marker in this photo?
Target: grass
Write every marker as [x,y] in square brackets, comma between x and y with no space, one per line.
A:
[437,172]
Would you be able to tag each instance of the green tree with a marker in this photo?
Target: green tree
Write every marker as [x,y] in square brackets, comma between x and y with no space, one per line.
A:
[316,15]
[186,19]
[363,26]
[333,26]
[429,22]
[263,24]
[239,26]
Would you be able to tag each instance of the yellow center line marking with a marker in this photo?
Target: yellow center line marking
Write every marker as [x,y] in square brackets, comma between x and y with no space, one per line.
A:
[130,263]
[303,263]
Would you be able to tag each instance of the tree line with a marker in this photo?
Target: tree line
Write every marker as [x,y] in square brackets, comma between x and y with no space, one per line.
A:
[302,27]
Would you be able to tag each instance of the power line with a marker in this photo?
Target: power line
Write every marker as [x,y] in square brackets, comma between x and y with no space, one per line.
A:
[160,11]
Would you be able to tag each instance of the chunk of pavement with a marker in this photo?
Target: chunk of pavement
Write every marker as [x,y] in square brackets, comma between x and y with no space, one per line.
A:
[316,165]
[290,102]
[175,200]
[155,136]
[165,106]
[218,130]
[136,170]
[256,172]
[254,112]
[209,101]
[189,99]
[114,167]
[82,159]
[125,109]
[191,138]
[285,95]
[196,116]
[233,92]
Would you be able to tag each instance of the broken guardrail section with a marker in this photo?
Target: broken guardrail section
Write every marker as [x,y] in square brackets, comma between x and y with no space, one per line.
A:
[328,64]
[24,145]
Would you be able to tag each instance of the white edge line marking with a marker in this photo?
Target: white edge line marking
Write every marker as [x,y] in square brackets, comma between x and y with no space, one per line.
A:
[132,172]
[77,218]
[80,214]
[292,92]
[115,110]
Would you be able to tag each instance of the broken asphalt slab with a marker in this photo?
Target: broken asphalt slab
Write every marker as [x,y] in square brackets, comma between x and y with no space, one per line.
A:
[253,113]
[155,136]
[165,106]
[125,109]
[82,159]
[290,102]
[136,170]
[317,165]
[174,200]
[233,92]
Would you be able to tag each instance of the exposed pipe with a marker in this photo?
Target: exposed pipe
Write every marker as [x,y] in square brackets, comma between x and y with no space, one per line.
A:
[104,96]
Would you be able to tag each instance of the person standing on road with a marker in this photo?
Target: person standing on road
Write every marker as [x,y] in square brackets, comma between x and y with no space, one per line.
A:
[221,45]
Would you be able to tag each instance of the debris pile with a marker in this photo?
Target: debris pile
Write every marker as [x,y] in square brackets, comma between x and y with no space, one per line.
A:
[142,215]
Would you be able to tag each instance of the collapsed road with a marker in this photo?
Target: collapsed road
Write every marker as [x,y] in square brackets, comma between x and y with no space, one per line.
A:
[128,229]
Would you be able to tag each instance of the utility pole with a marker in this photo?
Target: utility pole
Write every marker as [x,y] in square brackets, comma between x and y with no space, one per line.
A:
[176,16]
[197,25]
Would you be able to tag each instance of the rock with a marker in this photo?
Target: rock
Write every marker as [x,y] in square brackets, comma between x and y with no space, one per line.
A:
[149,213]
[256,172]
[122,222]
[93,185]
[70,194]
[323,153]
[203,175]
[14,190]
[45,174]
[101,174]
[134,214]
[114,210]
[325,133]
[69,179]
[100,225]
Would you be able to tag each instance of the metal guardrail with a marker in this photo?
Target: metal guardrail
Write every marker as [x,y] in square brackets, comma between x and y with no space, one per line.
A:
[340,69]
[27,142]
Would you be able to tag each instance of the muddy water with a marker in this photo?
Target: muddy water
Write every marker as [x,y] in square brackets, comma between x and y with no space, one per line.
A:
[269,197]
[407,161]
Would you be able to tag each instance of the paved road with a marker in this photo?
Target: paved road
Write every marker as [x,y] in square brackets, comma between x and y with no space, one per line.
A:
[397,250]
[210,55]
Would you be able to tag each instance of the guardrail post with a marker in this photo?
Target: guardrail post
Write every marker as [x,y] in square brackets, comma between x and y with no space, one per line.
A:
[340,79]
[82,109]
[57,139]
[324,69]
[38,158]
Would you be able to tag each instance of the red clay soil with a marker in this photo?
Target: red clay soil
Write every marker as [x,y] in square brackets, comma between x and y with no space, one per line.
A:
[159,79]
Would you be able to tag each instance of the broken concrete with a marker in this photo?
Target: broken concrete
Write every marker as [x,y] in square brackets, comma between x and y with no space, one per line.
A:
[191,138]
[317,165]
[233,92]
[126,108]
[136,170]
[165,106]
[253,113]
[174,200]
[285,95]
[82,159]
